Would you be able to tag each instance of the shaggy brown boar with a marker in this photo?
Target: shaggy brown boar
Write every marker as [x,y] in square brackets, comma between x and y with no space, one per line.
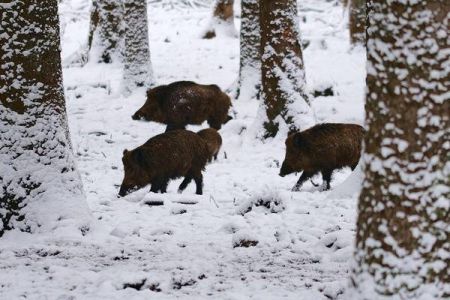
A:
[185,102]
[322,148]
[213,141]
[166,156]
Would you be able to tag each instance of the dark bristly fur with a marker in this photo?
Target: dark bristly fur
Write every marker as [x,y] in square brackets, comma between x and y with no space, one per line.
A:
[178,153]
[213,140]
[185,102]
[322,148]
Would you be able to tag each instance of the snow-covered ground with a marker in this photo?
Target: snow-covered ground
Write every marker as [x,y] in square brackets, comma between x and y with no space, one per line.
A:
[135,250]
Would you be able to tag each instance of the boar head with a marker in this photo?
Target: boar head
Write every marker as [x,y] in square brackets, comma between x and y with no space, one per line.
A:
[152,110]
[295,155]
[137,173]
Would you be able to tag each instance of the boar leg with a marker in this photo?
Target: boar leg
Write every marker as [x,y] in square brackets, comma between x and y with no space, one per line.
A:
[326,177]
[305,176]
[156,185]
[163,186]
[214,124]
[185,183]
[154,188]
[199,183]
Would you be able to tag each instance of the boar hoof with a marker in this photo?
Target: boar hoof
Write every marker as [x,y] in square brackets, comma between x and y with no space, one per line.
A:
[324,187]
[295,188]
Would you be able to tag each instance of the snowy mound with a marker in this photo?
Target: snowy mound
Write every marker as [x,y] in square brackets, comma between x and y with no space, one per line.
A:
[267,200]
[350,187]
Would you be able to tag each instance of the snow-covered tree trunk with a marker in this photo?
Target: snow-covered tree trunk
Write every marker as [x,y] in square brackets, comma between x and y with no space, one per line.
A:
[403,232]
[357,22]
[106,30]
[137,65]
[249,81]
[222,20]
[39,184]
[283,75]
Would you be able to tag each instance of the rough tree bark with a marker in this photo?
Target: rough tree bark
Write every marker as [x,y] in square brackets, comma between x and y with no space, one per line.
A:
[39,185]
[248,84]
[357,22]
[283,76]
[222,20]
[106,31]
[137,65]
[403,232]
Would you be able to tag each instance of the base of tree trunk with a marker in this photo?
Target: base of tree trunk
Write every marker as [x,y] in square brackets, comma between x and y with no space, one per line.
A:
[78,59]
[247,86]
[218,27]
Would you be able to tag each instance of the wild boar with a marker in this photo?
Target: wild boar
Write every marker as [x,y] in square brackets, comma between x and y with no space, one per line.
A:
[322,148]
[178,153]
[185,102]
[213,141]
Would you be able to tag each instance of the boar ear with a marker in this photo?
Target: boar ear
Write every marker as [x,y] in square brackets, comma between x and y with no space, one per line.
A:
[157,94]
[298,141]
[125,151]
[292,131]
[151,93]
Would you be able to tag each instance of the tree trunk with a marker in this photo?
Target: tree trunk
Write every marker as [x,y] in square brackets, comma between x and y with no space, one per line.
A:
[222,20]
[137,66]
[106,30]
[357,22]
[39,185]
[283,75]
[403,233]
[249,81]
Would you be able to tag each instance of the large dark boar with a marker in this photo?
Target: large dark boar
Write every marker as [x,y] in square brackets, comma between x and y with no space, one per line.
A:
[322,148]
[185,102]
[213,141]
[163,157]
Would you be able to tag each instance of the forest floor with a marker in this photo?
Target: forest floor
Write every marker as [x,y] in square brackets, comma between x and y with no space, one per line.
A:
[138,251]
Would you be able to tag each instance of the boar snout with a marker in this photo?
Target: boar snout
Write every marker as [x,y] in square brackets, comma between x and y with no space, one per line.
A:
[136,116]
[122,192]
[125,190]
[285,169]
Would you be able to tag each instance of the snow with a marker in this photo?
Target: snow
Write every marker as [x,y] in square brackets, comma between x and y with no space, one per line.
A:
[350,187]
[137,248]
